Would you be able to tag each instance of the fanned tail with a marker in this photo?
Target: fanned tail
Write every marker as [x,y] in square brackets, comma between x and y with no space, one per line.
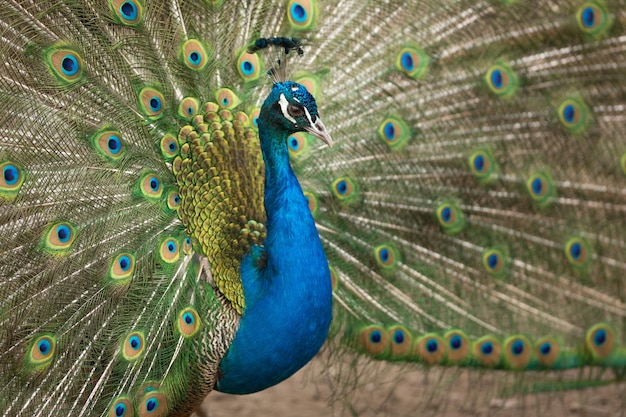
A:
[473,210]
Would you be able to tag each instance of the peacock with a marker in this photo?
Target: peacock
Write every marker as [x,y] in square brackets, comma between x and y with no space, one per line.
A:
[174,219]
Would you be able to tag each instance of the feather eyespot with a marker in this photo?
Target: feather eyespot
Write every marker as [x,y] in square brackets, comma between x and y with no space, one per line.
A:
[121,407]
[578,252]
[541,188]
[389,131]
[487,351]
[194,54]
[494,262]
[593,19]
[401,340]
[386,257]
[394,132]
[517,352]
[188,323]
[497,79]
[298,146]
[153,404]
[11,179]
[59,237]
[375,337]
[458,346]
[151,102]
[600,341]
[127,12]
[295,143]
[41,352]
[109,144]
[430,349]
[547,352]
[169,250]
[456,342]
[413,61]
[173,200]
[169,146]
[483,165]
[374,340]
[479,163]
[122,268]
[344,189]
[188,108]
[194,58]
[155,104]
[501,80]
[187,246]
[65,64]
[544,348]
[302,14]
[450,217]
[574,115]
[249,66]
[150,186]
[298,13]
[227,99]
[133,346]
[537,187]
[254,117]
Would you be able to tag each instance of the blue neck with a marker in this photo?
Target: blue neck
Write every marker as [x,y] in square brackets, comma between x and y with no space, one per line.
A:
[288,295]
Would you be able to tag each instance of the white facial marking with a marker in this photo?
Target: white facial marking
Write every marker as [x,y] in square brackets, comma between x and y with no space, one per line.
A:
[308,116]
[283,107]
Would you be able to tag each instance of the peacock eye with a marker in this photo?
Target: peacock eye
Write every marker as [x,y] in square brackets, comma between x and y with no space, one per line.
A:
[294,110]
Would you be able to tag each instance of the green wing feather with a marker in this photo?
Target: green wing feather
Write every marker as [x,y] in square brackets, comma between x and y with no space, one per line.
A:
[219,172]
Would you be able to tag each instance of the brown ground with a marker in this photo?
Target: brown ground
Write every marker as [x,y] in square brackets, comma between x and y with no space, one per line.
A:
[404,392]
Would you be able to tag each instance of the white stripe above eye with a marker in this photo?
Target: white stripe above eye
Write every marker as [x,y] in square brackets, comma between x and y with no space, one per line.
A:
[308,116]
[283,107]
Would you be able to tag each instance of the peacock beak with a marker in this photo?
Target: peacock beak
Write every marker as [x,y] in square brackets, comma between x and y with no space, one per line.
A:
[318,130]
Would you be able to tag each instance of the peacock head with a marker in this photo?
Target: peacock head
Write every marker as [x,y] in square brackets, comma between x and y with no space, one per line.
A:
[292,108]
